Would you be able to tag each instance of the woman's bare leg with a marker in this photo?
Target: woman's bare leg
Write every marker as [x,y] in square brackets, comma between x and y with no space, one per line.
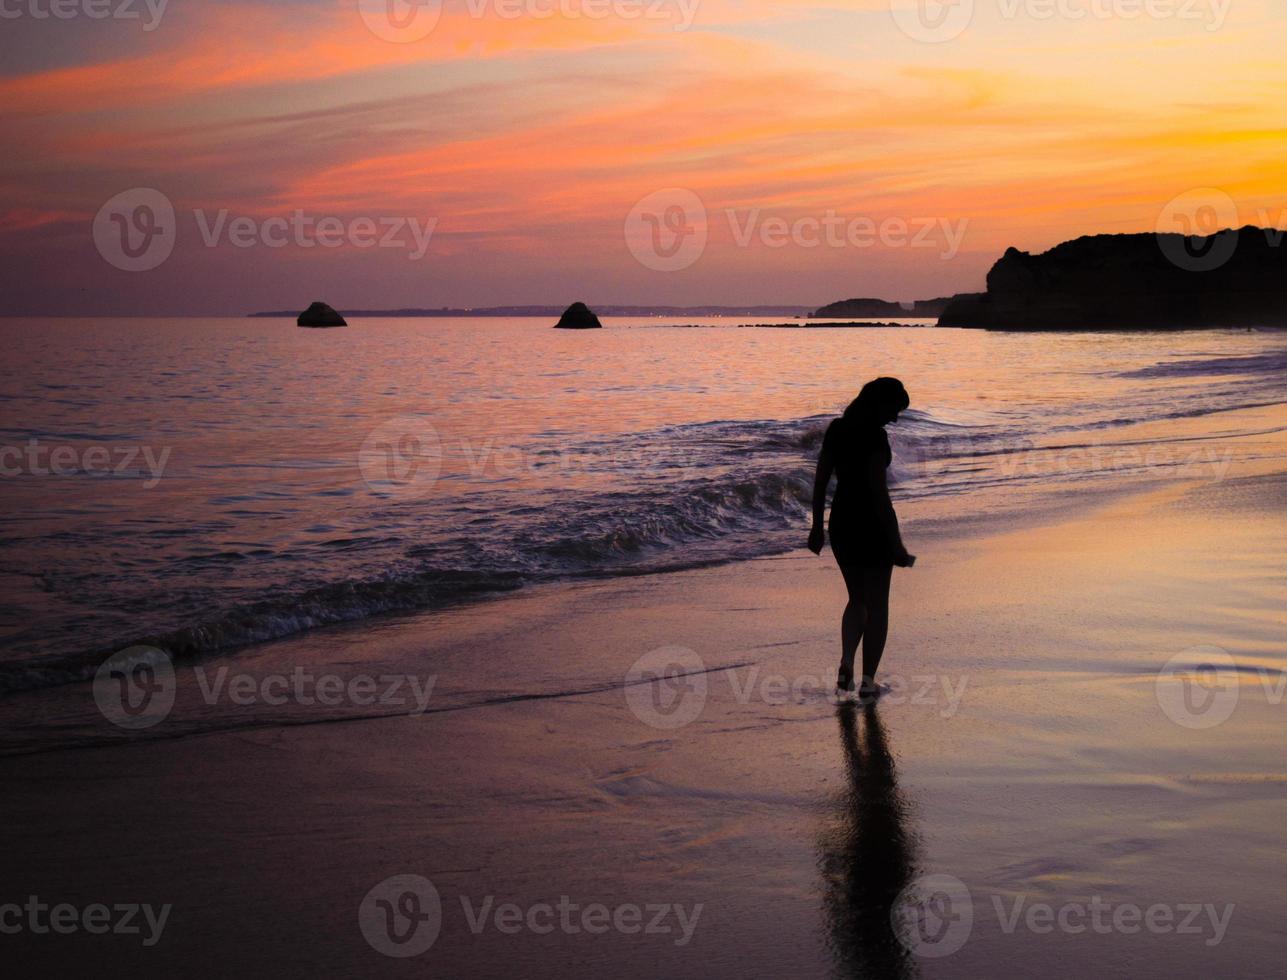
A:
[876,593]
[851,622]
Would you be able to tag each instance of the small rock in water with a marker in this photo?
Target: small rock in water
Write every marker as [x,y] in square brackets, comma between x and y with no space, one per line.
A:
[319,314]
[578,316]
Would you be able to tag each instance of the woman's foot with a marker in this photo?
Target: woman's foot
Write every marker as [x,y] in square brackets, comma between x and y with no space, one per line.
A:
[868,691]
[845,680]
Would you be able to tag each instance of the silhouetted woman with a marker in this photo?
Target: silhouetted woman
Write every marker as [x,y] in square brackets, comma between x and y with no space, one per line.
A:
[864,527]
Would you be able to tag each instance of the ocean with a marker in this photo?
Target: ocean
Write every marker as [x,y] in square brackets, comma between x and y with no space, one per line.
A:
[202,485]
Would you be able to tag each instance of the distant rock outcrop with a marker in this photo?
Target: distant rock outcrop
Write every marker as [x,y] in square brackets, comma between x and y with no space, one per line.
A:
[319,314]
[859,308]
[578,316]
[931,307]
[1229,279]
[965,310]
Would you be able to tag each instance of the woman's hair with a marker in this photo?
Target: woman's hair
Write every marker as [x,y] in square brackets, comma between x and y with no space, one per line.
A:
[873,394]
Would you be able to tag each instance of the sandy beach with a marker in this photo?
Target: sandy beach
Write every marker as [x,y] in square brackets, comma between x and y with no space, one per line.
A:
[1032,747]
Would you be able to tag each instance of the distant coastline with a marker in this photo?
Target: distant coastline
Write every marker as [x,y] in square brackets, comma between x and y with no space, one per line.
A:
[1233,278]
[803,325]
[557,311]
[865,307]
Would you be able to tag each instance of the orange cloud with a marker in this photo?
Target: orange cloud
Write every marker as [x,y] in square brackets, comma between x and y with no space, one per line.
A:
[229,48]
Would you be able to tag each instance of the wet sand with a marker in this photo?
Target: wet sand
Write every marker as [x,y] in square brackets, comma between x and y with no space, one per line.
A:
[737,822]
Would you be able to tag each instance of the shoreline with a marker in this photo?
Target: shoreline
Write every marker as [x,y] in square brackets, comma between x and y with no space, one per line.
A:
[919,517]
[546,778]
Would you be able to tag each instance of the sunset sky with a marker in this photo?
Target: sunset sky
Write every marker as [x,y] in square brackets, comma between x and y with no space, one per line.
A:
[523,133]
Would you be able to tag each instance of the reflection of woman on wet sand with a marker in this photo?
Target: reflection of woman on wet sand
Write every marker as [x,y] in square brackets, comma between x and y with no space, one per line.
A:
[867,855]
[864,527]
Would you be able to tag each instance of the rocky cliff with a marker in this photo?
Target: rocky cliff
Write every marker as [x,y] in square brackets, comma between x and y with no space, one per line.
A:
[1232,278]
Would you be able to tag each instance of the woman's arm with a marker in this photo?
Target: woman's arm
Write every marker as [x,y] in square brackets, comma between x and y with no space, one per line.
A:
[885,515]
[826,465]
